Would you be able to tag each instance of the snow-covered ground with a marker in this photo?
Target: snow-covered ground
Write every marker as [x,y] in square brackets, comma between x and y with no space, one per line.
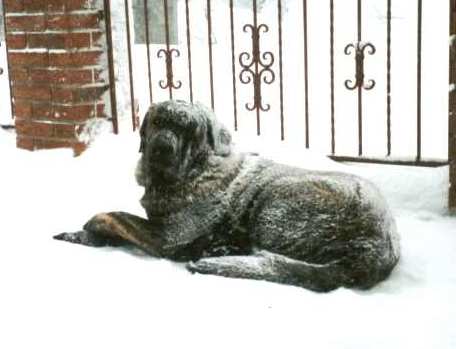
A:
[59,295]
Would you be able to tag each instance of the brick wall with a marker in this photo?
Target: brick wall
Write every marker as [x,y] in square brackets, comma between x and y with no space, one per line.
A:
[56,63]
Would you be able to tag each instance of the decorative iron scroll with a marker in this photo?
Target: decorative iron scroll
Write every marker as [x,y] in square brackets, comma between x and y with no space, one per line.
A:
[168,54]
[359,48]
[256,67]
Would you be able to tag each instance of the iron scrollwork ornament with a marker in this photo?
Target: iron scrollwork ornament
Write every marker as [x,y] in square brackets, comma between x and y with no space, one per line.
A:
[359,48]
[168,54]
[256,67]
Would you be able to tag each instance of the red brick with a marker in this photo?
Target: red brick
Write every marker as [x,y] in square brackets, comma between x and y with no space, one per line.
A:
[43,129]
[89,94]
[63,113]
[78,95]
[73,21]
[98,75]
[80,76]
[65,131]
[76,113]
[28,59]
[73,5]
[34,129]
[26,23]
[52,144]
[74,58]
[62,95]
[96,39]
[13,6]
[56,5]
[101,111]
[27,143]
[17,41]
[18,74]
[79,148]
[77,40]
[35,5]
[32,92]
[40,40]
[59,41]
[22,109]
[23,128]
[42,111]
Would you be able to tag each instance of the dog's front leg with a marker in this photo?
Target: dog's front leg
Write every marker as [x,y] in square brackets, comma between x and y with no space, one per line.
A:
[115,228]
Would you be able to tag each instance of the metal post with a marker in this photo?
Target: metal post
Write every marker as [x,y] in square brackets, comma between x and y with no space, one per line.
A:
[130,67]
[418,79]
[112,81]
[452,109]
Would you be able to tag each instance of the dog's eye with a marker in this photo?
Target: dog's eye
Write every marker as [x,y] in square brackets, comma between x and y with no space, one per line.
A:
[156,122]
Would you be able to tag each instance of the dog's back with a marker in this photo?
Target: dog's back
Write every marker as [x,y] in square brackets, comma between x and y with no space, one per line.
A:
[321,230]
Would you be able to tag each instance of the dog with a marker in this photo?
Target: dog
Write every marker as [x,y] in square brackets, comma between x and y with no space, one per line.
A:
[241,216]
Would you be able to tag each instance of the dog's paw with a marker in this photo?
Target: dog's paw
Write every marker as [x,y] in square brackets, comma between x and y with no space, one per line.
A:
[201,266]
[192,267]
[83,238]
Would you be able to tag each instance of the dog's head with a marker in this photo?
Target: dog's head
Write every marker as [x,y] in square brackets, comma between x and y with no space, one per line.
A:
[177,138]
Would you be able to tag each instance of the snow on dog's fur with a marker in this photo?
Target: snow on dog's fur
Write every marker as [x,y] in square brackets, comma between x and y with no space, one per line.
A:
[238,215]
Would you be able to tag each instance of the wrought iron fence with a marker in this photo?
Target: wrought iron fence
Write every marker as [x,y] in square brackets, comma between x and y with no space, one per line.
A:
[262,64]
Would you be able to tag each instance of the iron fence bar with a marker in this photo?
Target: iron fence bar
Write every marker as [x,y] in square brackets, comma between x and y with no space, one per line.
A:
[169,54]
[1,69]
[306,72]
[331,30]
[211,67]
[388,77]
[146,20]
[233,65]
[360,92]
[279,10]
[112,80]
[255,25]
[8,66]
[189,50]
[452,109]
[418,78]
[389,161]
[130,65]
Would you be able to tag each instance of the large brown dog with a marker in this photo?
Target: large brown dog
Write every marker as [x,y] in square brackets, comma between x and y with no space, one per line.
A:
[242,216]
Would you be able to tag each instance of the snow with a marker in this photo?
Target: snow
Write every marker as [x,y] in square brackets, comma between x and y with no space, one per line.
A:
[58,295]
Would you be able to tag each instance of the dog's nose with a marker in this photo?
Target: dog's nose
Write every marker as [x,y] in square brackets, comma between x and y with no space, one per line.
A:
[161,148]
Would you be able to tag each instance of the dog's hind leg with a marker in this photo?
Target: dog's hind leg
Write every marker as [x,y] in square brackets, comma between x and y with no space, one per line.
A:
[114,229]
[273,267]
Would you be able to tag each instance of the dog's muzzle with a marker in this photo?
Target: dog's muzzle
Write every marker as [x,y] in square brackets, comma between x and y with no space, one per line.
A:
[163,149]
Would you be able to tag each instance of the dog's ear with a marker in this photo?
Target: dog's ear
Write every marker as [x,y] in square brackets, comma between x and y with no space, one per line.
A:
[143,129]
[219,138]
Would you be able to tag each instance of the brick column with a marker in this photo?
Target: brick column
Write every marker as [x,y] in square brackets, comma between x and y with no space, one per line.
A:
[57,63]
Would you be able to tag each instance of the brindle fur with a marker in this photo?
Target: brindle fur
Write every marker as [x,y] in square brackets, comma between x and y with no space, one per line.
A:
[238,215]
